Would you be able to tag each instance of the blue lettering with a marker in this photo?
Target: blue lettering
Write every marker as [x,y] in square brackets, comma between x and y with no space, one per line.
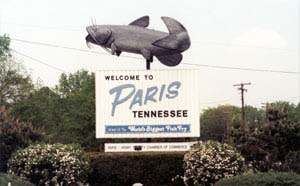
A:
[137,99]
[173,93]
[151,92]
[163,87]
[118,90]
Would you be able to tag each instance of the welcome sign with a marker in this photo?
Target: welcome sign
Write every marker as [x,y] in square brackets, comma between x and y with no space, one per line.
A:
[147,104]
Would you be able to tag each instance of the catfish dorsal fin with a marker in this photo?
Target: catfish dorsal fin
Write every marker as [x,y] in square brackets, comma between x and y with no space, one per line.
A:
[173,26]
[141,22]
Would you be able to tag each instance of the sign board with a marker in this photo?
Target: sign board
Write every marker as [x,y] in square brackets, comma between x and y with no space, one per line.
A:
[147,104]
[147,147]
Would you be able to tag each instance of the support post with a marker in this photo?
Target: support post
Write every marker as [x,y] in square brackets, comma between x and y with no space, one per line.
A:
[148,62]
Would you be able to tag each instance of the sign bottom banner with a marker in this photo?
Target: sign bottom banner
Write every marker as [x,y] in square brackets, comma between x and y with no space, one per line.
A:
[148,147]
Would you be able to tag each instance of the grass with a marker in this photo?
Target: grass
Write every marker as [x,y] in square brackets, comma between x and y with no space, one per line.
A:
[14,180]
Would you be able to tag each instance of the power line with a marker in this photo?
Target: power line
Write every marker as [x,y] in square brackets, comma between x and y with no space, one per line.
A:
[214,102]
[58,46]
[245,45]
[286,98]
[78,29]
[132,57]
[245,69]
[67,28]
[59,69]
[39,61]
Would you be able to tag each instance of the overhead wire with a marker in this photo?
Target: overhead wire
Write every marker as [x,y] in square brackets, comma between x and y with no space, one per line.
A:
[243,68]
[61,70]
[79,29]
[215,102]
[132,57]
[244,45]
[38,61]
[68,28]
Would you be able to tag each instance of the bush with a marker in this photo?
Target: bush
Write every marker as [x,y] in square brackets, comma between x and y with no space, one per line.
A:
[45,164]
[292,162]
[14,180]
[14,134]
[127,168]
[262,179]
[268,146]
[208,162]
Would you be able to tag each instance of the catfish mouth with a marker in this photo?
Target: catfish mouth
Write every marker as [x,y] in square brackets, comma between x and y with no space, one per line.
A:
[89,39]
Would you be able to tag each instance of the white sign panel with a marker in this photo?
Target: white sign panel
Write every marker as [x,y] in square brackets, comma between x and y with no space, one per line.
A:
[147,104]
[147,147]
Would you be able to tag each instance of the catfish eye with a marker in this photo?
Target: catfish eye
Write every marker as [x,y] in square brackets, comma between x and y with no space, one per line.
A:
[103,36]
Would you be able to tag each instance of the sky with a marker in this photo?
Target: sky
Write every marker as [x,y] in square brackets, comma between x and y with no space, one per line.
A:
[255,34]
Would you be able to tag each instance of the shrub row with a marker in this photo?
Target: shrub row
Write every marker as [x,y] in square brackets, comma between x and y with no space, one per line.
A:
[262,179]
[205,164]
[208,162]
[128,168]
[50,164]
[14,180]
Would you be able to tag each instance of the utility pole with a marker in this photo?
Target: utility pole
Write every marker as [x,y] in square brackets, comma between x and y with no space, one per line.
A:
[242,89]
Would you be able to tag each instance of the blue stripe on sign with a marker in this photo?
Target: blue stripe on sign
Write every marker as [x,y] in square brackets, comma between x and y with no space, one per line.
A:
[138,129]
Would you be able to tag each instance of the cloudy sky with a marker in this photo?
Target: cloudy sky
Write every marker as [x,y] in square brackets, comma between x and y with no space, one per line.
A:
[252,34]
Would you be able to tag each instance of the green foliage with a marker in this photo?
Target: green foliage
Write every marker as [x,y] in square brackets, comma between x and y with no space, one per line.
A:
[214,121]
[292,162]
[208,162]
[267,147]
[45,164]
[262,179]
[254,117]
[67,113]
[41,108]
[282,110]
[128,168]
[78,108]
[14,180]
[13,135]
[4,48]
[15,83]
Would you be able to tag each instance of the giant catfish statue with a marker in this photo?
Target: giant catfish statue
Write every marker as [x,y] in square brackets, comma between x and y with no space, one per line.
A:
[137,38]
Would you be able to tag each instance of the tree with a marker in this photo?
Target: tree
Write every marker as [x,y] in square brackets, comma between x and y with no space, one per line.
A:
[281,110]
[254,117]
[217,122]
[213,122]
[297,112]
[267,146]
[41,108]
[14,134]
[15,83]
[66,113]
[77,103]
